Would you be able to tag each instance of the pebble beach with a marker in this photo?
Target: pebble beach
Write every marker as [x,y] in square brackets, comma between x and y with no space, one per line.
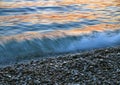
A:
[95,67]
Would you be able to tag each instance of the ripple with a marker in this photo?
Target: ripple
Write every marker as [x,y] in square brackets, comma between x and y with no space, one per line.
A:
[46,18]
[99,3]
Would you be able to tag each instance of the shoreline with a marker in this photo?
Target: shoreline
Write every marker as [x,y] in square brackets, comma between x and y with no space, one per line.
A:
[99,66]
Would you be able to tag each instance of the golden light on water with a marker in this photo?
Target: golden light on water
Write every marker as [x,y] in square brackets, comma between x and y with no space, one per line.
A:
[94,3]
[62,33]
[65,17]
[46,18]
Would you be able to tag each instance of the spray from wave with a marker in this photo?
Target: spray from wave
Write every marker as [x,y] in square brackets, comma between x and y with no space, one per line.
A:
[23,47]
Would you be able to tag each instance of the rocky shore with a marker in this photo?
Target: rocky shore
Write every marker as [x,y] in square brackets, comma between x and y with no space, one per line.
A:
[95,67]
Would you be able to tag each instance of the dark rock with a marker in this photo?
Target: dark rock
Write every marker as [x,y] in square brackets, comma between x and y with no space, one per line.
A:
[97,67]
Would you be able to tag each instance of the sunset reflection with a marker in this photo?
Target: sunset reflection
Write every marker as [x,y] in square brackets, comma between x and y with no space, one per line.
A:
[46,18]
[62,33]
[93,3]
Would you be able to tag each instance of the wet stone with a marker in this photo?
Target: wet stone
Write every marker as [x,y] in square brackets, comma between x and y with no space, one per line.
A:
[97,67]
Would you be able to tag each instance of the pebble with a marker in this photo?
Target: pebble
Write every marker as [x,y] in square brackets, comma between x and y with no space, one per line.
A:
[96,67]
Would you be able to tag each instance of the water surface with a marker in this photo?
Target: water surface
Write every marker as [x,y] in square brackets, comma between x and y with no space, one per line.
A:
[36,28]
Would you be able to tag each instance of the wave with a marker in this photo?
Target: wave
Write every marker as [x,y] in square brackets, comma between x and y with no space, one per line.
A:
[31,45]
[31,28]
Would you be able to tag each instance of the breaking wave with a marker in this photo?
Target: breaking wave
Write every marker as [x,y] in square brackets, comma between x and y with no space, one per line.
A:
[30,46]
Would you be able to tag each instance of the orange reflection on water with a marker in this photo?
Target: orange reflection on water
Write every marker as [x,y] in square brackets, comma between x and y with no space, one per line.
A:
[62,33]
[95,3]
[90,29]
[46,18]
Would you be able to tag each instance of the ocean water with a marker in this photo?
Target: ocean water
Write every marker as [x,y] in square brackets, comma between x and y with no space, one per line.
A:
[37,28]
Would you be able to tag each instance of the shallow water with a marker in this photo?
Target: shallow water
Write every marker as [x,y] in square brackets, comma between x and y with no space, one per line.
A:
[30,28]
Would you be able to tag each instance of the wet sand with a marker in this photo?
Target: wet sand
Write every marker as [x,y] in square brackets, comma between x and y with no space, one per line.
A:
[95,67]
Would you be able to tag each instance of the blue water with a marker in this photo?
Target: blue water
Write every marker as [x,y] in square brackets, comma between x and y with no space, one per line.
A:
[32,28]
